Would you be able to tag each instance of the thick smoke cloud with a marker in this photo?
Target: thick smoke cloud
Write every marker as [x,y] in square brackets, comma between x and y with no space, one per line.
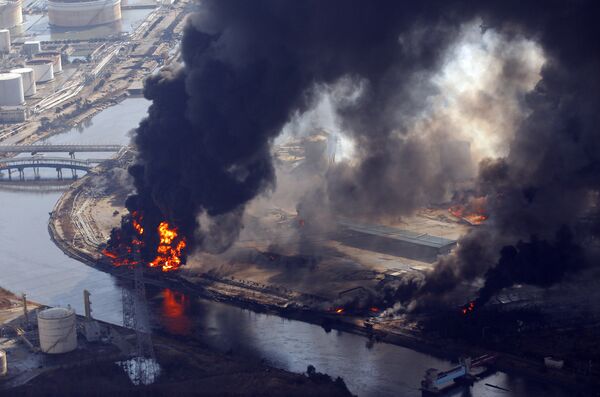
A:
[204,149]
[543,194]
[248,66]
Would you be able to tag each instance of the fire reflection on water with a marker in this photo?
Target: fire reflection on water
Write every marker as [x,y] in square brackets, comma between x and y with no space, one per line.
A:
[175,312]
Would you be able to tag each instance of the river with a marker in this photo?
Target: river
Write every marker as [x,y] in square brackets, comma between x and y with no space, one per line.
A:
[32,264]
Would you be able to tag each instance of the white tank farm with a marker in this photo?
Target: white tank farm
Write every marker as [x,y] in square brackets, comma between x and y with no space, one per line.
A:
[43,69]
[57,330]
[4,41]
[3,363]
[81,13]
[11,13]
[11,89]
[31,48]
[52,56]
[28,79]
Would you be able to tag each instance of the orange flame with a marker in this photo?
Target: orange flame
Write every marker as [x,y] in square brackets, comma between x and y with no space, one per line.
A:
[168,254]
[473,213]
[169,251]
[470,308]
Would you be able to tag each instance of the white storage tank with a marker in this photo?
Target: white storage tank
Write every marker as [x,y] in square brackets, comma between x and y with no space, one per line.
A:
[83,13]
[11,89]
[28,78]
[11,13]
[4,41]
[52,56]
[43,69]
[3,363]
[31,48]
[57,330]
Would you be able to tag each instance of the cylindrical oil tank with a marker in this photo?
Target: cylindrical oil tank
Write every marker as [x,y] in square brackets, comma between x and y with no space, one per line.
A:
[11,13]
[57,330]
[3,363]
[11,89]
[4,40]
[28,79]
[31,48]
[81,13]
[54,57]
[43,69]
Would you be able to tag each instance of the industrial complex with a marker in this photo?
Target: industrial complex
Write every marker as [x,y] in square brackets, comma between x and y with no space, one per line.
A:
[202,307]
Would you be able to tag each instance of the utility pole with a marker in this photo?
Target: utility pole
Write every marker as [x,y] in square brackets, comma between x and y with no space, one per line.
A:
[25,313]
[86,304]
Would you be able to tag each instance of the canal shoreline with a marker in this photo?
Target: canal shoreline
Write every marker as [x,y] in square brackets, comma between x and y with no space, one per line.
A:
[227,291]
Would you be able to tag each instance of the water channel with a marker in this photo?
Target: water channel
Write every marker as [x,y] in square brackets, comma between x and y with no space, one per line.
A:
[31,263]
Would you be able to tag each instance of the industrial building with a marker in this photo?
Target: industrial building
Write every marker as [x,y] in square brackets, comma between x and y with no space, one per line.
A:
[11,13]
[393,241]
[31,48]
[77,13]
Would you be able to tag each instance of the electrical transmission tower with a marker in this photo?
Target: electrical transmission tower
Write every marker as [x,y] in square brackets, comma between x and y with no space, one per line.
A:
[135,316]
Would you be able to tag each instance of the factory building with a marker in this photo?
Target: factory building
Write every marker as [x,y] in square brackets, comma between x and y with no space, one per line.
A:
[78,13]
[4,41]
[11,13]
[30,48]
[28,78]
[392,241]
[43,69]
[51,56]
[13,114]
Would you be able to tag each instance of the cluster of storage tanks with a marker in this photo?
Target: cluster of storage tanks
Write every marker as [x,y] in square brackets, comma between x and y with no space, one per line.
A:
[20,83]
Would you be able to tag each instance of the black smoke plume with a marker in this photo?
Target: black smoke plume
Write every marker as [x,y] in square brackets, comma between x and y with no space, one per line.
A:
[251,66]
[204,148]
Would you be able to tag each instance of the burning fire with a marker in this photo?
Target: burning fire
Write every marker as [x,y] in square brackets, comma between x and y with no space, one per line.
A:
[124,249]
[470,308]
[168,252]
[473,213]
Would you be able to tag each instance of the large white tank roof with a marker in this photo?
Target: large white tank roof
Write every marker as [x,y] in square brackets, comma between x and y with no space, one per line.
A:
[55,313]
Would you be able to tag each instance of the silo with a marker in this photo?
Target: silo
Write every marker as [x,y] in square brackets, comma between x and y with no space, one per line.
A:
[3,363]
[54,57]
[43,70]
[11,89]
[31,48]
[57,330]
[28,77]
[4,40]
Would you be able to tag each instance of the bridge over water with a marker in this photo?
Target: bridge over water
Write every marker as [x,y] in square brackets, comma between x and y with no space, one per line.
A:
[71,149]
[19,164]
